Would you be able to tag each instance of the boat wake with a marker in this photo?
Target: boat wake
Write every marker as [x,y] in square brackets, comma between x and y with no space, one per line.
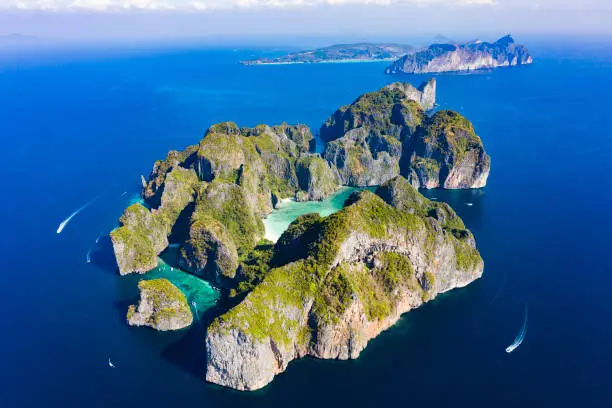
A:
[74,214]
[469,204]
[521,336]
[89,256]
[110,363]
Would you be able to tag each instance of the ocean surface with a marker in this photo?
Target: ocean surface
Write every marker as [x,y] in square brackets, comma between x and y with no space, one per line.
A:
[81,125]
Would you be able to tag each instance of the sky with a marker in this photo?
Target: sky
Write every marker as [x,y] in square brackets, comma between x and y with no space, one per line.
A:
[347,19]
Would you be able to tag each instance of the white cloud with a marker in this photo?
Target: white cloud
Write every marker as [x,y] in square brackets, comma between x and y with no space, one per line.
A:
[206,5]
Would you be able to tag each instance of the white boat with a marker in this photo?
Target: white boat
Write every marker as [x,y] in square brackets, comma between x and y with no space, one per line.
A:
[521,336]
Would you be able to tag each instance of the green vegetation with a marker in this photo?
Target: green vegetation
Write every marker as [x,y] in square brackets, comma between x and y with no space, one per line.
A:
[228,128]
[136,253]
[427,166]
[384,111]
[273,309]
[139,239]
[179,190]
[316,177]
[209,245]
[378,287]
[428,284]
[467,257]
[253,268]
[229,204]
[154,186]
[450,131]
[307,268]
[334,297]
[169,305]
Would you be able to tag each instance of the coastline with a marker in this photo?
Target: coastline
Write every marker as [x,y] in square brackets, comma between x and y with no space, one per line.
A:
[342,61]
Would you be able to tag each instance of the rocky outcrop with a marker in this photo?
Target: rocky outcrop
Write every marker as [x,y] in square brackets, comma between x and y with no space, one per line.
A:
[364,157]
[258,165]
[180,186]
[154,186]
[316,178]
[223,223]
[354,273]
[447,153]
[386,133]
[262,160]
[425,95]
[162,306]
[394,111]
[300,135]
[138,240]
[462,57]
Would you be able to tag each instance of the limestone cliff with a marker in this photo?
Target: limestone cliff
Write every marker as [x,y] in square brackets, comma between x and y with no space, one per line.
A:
[222,226]
[365,157]
[394,110]
[162,306]
[462,57]
[354,273]
[316,178]
[447,153]
[138,241]
[425,95]
[192,197]
[386,133]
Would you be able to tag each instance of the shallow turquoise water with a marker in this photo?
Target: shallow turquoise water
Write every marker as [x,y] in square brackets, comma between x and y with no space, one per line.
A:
[287,211]
[200,294]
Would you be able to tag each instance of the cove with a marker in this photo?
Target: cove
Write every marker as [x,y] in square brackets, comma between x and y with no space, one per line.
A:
[288,210]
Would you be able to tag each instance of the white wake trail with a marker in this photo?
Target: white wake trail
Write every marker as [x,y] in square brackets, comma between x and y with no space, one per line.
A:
[74,214]
[521,336]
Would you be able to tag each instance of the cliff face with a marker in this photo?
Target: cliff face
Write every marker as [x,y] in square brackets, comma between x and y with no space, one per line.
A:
[448,154]
[138,241]
[386,133]
[462,57]
[393,110]
[162,306]
[211,197]
[354,274]
[364,157]
[316,178]
[425,95]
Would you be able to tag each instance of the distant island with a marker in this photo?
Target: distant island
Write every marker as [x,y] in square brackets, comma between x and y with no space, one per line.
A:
[439,57]
[360,52]
[470,56]
[330,284]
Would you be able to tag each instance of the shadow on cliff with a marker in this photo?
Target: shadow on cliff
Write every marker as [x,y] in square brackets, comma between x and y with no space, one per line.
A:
[189,353]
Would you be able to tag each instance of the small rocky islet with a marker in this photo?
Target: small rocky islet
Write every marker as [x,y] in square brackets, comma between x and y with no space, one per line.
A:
[330,284]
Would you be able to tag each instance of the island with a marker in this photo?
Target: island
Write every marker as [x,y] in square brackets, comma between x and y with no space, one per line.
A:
[470,56]
[329,284]
[360,52]
[162,306]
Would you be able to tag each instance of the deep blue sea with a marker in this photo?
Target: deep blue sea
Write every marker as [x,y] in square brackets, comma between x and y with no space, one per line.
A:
[77,125]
